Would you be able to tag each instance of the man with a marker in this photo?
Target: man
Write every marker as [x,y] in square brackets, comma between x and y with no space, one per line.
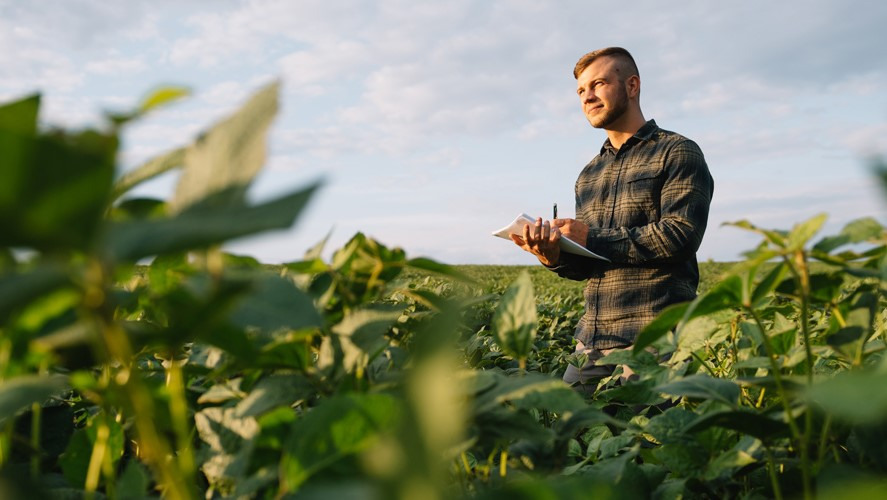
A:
[642,203]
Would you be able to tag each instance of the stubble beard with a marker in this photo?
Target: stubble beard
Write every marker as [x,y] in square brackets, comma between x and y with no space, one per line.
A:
[614,113]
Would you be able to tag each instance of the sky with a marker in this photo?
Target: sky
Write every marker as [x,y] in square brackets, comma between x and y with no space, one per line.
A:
[431,124]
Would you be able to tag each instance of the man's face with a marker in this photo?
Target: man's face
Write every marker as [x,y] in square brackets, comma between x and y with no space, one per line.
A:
[602,93]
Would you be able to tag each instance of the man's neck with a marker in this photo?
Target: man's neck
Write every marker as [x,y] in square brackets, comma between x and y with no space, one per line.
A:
[622,130]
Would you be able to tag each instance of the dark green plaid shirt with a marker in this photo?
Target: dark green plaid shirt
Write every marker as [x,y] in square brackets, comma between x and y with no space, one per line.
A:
[646,205]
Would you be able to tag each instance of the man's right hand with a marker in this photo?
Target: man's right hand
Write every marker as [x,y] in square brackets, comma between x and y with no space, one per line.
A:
[540,240]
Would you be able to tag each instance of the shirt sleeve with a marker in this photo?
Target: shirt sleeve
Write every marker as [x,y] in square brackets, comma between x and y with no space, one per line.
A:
[574,267]
[684,203]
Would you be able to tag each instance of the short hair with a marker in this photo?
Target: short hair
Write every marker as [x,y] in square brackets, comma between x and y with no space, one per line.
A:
[627,62]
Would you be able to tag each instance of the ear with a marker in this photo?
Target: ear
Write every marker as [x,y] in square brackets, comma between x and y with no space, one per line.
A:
[633,86]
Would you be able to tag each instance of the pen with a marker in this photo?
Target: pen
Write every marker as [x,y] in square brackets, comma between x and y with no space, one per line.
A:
[555,211]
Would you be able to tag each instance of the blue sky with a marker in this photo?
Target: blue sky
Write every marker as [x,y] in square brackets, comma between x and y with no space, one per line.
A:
[434,123]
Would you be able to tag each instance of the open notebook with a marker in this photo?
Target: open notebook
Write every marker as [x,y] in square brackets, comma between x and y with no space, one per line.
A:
[567,245]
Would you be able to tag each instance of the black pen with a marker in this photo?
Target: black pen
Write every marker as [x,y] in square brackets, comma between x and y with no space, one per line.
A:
[555,211]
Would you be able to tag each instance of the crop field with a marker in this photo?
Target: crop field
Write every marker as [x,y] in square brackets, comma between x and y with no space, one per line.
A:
[139,360]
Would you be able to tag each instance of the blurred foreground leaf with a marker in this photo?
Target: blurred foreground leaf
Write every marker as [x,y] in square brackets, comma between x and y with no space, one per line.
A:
[19,393]
[201,227]
[225,159]
[514,321]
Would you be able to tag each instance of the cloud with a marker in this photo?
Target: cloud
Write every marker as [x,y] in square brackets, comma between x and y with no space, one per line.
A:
[116,66]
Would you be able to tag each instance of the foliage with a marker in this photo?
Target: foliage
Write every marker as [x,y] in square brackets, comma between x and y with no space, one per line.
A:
[374,375]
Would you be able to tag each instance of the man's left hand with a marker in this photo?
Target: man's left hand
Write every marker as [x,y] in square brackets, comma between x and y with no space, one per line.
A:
[572,229]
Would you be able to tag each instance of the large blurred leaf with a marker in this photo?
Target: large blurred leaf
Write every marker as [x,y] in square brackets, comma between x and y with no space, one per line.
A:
[857,398]
[275,303]
[19,393]
[227,157]
[856,231]
[18,289]
[55,186]
[202,226]
[703,387]
[514,321]
[746,422]
[148,170]
[337,427]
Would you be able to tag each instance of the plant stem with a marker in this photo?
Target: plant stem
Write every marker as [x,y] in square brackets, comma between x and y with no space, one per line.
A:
[774,479]
[803,275]
[777,375]
[36,417]
[178,408]
[99,450]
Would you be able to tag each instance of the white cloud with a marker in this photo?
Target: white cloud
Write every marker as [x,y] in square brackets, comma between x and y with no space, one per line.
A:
[314,70]
[116,66]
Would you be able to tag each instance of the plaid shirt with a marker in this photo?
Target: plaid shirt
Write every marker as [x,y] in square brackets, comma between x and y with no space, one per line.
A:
[646,205]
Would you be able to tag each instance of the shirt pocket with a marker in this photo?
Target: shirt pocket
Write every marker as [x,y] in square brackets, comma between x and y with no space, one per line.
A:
[642,194]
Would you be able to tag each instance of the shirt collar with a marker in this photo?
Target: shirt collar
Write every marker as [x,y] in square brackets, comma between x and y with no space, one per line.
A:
[644,133]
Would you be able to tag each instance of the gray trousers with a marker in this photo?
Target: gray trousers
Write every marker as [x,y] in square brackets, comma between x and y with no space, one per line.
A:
[586,378]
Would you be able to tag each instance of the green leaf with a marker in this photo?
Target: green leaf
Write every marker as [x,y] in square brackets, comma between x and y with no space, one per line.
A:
[55,187]
[337,427]
[670,426]
[148,170]
[725,295]
[571,423]
[532,390]
[766,286]
[514,321]
[133,483]
[685,459]
[201,227]
[224,160]
[777,238]
[856,231]
[20,117]
[661,325]
[162,96]
[272,392]
[275,303]
[746,422]
[803,232]
[230,442]
[362,333]
[747,451]
[138,209]
[857,398]
[703,387]
[17,290]
[75,460]
[19,393]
